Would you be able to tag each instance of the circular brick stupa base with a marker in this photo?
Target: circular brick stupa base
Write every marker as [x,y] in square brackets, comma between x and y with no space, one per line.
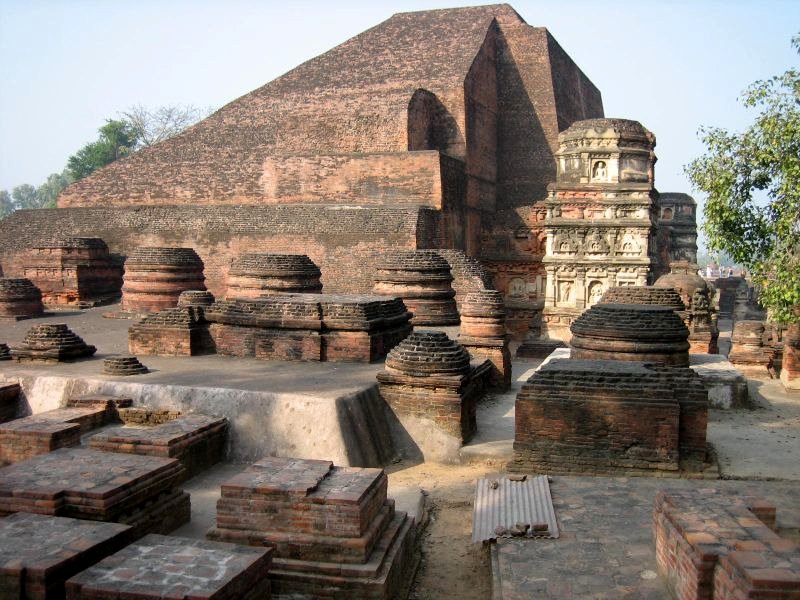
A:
[631,332]
[253,276]
[155,277]
[19,299]
[423,280]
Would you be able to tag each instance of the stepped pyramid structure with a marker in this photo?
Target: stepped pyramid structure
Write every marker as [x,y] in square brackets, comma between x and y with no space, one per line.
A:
[432,130]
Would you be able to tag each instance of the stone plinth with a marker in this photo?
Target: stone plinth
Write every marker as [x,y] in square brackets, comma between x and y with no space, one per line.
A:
[483,333]
[155,277]
[319,327]
[332,529]
[9,401]
[790,369]
[123,366]
[258,275]
[748,352]
[198,441]
[140,491]
[158,567]
[19,299]
[631,332]
[422,278]
[727,387]
[44,432]
[716,546]
[74,271]
[428,384]
[603,416]
[634,294]
[39,553]
[171,332]
[52,343]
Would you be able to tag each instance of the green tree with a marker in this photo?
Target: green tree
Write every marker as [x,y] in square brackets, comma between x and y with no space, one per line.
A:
[25,196]
[752,182]
[48,192]
[117,139]
[6,204]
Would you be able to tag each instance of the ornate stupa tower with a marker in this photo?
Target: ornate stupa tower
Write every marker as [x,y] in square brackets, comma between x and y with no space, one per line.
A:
[601,217]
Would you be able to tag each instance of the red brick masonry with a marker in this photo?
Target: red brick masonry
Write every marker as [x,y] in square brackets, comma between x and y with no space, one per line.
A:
[713,546]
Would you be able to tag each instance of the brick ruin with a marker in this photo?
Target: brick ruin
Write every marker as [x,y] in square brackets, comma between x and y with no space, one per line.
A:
[123,366]
[195,298]
[483,333]
[19,299]
[748,351]
[332,529]
[256,275]
[74,271]
[51,343]
[790,368]
[637,332]
[607,416]
[171,332]
[140,491]
[433,390]
[155,277]
[716,546]
[158,567]
[424,282]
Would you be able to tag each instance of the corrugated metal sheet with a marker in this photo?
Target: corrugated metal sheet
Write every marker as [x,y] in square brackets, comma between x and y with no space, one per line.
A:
[501,504]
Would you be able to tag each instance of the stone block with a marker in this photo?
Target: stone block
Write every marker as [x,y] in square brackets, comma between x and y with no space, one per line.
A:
[39,553]
[727,387]
[140,491]
[159,567]
[198,441]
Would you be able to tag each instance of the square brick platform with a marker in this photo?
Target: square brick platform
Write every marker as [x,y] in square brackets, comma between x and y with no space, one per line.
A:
[714,546]
[140,491]
[161,567]
[333,530]
[39,553]
[198,441]
[25,438]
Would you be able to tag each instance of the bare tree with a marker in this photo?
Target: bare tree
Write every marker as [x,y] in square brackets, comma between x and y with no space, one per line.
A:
[151,126]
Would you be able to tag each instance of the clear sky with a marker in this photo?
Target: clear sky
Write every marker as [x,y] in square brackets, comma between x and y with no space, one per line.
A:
[67,66]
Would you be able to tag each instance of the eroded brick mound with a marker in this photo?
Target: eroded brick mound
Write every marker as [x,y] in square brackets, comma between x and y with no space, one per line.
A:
[684,278]
[124,366]
[631,332]
[258,275]
[201,298]
[644,295]
[19,298]
[155,277]
[428,353]
[422,278]
[748,352]
[75,270]
[39,553]
[159,567]
[52,343]
[599,416]
[469,274]
[333,531]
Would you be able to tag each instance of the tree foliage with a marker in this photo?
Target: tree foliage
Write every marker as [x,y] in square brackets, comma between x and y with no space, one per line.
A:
[752,182]
[28,196]
[117,139]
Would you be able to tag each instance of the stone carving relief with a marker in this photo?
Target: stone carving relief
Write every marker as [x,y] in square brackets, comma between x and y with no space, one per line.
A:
[629,246]
[600,171]
[595,292]
[565,292]
[564,244]
[517,288]
[633,168]
[596,244]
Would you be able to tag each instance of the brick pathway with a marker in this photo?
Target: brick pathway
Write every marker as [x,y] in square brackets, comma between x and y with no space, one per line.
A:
[606,548]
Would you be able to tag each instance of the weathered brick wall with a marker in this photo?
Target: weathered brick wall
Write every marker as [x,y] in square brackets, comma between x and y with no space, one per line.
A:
[344,241]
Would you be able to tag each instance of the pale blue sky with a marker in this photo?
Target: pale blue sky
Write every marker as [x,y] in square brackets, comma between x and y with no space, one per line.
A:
[68,65]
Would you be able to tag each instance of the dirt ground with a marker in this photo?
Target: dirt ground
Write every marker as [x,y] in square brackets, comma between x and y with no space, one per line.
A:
[451,565]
